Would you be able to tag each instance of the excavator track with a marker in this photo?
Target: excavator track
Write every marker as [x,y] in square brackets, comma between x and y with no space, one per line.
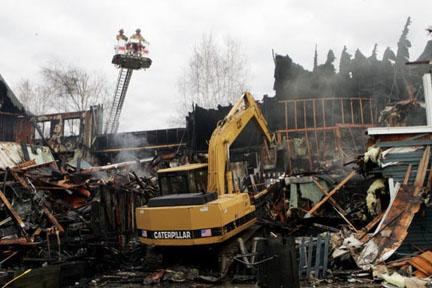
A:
[231,248]
[216,260]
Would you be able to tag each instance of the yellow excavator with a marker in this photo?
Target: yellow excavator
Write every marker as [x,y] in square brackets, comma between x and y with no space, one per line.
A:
[199,205]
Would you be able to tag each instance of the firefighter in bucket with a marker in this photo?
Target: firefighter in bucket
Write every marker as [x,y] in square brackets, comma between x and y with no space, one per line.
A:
[122,39]
[137,44]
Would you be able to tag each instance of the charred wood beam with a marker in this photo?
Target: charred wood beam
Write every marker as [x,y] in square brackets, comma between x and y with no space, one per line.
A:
[17,241]
[19,179]
[52,219]
[18,168]
[341,212]
[369,226]
[13,214]
[138,180]
[421,171]
[323,190]
[407,174]
[331,193]
[25,164]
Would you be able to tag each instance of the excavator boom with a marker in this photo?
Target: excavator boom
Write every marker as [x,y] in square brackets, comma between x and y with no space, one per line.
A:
[225,134]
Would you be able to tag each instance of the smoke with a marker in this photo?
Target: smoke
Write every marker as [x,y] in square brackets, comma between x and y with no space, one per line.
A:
[132,145]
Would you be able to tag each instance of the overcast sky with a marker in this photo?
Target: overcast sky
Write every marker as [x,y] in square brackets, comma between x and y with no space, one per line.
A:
[82,33]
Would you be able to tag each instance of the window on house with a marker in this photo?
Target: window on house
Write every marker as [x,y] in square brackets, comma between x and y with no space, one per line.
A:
[71,127]
[45,129]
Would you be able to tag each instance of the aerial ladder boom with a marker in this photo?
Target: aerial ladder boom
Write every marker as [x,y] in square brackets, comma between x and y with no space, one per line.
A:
[127,59]
[123,80]
[225,134]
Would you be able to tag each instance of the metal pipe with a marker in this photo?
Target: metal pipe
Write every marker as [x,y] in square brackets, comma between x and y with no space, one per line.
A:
[244,252]
[254,249]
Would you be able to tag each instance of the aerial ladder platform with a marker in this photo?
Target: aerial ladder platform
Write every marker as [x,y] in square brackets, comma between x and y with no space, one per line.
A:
[127,58]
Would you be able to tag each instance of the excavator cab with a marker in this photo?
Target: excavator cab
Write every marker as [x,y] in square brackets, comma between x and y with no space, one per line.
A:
[183,185]
[191,178]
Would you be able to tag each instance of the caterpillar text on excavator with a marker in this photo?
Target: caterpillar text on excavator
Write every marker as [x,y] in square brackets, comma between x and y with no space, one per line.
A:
[199,204]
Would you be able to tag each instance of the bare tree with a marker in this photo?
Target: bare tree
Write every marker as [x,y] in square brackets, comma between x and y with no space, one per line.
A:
[36,99]
[74,87]
[62,89]
[217,73]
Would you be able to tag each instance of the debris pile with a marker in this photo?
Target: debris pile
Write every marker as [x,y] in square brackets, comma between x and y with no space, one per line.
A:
[374,221]
[393,246]
[51,214]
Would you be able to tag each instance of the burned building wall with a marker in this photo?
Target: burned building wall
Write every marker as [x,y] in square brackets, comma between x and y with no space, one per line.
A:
[16,128]
[69,133]
[320,116]
[248,147]
[9,102]
[164,143]
[15,125]
[200,125]
[305,140]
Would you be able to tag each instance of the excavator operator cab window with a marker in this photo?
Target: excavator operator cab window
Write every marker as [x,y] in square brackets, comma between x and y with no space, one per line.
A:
[181,182]
[177,184]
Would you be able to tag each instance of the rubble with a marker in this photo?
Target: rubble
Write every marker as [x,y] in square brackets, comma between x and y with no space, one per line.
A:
[423,264]
[401,169]
[55,214]
[388,236]
[403,113]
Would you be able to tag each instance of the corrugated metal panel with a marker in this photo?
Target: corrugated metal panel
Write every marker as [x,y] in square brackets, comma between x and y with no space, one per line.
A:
[11,154]
[404,143]
[419,233]
[402,161]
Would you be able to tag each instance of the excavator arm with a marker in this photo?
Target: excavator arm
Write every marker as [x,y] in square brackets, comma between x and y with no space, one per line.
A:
[224,135]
